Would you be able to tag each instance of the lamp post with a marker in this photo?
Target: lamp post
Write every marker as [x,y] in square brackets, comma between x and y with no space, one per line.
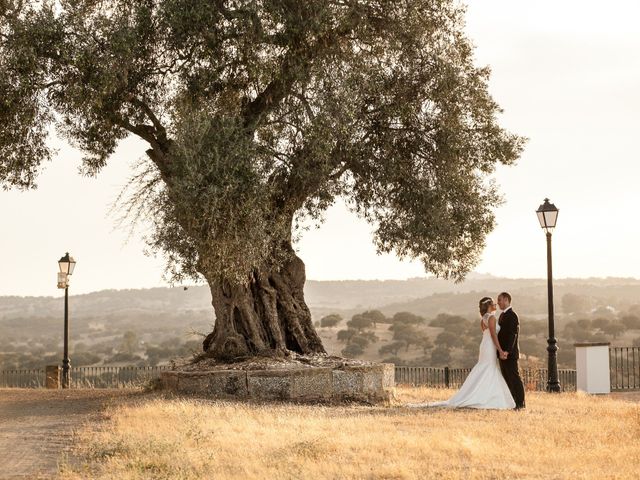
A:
[548,215]
[67,265]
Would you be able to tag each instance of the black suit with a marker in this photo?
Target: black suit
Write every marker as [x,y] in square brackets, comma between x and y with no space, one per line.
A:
[508,339]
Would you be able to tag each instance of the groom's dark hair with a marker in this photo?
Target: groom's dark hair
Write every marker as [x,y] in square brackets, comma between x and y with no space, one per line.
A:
[506,295]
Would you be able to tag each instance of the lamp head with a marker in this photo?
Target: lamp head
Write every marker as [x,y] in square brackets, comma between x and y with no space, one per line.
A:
[547,215]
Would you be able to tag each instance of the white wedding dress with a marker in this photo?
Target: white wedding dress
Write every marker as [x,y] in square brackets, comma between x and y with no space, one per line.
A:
[485,386]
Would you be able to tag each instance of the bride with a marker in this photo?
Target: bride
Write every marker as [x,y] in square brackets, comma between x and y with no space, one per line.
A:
[485,386]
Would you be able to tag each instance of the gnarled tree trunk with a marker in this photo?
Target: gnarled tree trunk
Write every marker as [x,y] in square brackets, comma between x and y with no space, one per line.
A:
[268,316]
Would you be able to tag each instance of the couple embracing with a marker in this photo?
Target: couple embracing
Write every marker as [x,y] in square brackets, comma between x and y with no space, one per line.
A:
[494,382]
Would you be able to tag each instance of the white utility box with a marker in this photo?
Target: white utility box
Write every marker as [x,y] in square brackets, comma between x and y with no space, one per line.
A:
[592,367]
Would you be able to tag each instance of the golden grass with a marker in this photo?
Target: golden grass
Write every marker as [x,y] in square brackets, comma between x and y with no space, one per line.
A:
[558,436]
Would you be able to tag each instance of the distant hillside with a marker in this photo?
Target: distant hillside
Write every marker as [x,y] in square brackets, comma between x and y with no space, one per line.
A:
[424,296]
[150,326]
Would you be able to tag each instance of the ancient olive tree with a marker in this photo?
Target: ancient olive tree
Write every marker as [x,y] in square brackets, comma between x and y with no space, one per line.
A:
[257,115]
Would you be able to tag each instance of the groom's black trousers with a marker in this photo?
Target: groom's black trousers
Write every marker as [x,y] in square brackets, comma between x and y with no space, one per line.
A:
[511,374]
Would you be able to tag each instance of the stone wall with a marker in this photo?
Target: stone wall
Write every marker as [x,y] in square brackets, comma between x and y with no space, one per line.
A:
[368,383]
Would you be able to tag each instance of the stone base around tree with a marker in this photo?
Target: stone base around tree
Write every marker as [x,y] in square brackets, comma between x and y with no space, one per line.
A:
[369,383]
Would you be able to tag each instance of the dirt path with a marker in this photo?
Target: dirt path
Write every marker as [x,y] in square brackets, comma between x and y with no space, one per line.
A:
[36,426]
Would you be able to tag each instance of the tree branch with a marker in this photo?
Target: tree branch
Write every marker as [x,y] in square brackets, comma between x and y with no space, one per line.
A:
[296,65]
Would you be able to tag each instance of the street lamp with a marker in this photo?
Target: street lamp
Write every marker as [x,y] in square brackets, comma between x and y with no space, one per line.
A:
[548,215]
[67,264]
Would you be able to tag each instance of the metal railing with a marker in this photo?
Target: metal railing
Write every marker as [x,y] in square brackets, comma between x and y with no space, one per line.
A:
[85,377]
[27,378]
[624,363]
[114,377]
[445,377]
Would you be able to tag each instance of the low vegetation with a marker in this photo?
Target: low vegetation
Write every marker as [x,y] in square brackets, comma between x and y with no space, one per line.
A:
[558,436]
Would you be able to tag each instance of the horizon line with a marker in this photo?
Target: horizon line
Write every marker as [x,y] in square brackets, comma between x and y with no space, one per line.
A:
[479,276]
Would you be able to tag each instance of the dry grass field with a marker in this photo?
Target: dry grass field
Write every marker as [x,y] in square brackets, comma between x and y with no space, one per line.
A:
[558,436]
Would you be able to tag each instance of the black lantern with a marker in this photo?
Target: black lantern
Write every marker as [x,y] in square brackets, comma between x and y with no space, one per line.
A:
[547,215]
[67,264]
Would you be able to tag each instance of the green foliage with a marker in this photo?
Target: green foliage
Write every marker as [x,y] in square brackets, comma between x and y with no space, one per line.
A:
[615,329]
[359,322]
[257,115]
[352,350]
[447,321]
[448,339]
[129,342]
[330,320]
[376,316]
[345,335]
[408,334]
[573,303]
[631,322]
[533,327]
[440,356]
[393,348]
[601,323]
[407,318]
[360,341]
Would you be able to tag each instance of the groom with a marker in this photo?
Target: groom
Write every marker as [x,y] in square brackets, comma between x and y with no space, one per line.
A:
[508,338]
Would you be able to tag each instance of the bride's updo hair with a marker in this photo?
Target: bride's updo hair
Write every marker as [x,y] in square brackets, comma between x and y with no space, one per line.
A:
[485,303]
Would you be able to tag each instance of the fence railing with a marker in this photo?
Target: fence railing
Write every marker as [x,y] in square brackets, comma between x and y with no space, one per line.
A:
[29,378]
[445,377]
[113,377]
[625,368]
[85,377]
[624,376]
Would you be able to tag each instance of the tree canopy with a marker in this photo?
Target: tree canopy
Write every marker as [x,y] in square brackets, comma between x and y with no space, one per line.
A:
[258,114]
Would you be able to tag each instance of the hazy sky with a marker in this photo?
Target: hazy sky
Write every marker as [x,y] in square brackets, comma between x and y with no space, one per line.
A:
[566,74]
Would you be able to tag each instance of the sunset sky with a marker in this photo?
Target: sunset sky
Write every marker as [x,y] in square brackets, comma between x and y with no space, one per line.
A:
[566,74]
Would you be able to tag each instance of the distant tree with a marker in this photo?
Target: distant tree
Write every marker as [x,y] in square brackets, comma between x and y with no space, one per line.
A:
[566,357]
[605,312]
[80,347]
[572,303]
[85,358]
[407,334]
[584,323]
[635,310]
[615,329]
[601,323]
[636,342]
[447,321]
[345,335]
[376,316]
[359,322]
[533,327]
[448,339]
[533,346]
[155,354]
[371,336]
[425,343]
[408,318]
[316,323]
[359,340]
[330,320]
[393,348]
[129,342]
[632,322]
[352,350]
[440,356]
